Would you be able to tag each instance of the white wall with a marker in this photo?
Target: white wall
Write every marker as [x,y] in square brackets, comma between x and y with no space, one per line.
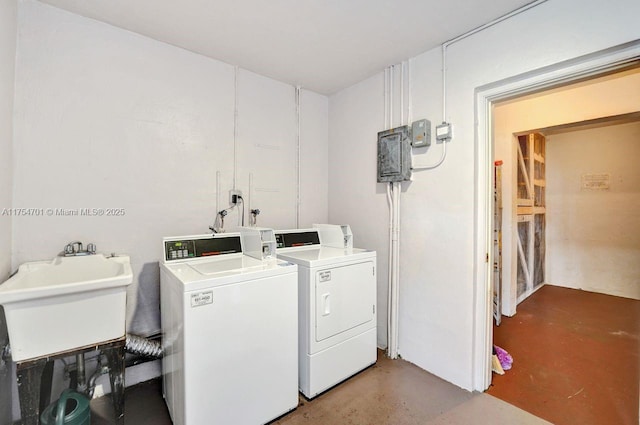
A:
[105,118]
[438,286]
[8,24]
[355,116]
[593,237]
[314,155]
[610,95]
[109,119]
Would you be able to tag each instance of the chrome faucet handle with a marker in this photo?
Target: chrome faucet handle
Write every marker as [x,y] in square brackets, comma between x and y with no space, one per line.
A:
[91,248]
[72,248]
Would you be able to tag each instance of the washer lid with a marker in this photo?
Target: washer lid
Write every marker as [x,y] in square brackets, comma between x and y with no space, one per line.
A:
[317,257]
[226,270]
[234,264]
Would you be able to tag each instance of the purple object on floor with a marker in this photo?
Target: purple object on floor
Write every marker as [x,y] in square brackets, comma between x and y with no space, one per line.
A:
[505,358]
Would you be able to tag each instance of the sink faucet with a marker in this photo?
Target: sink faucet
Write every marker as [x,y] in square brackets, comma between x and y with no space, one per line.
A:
[75,248]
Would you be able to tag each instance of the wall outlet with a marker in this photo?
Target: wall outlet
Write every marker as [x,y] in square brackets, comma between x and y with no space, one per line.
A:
[233,196]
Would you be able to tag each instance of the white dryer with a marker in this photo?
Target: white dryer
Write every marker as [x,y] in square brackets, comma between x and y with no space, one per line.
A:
[230,325]
[336,302]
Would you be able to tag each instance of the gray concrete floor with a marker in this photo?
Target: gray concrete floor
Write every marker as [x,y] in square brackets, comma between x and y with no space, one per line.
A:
[388,393]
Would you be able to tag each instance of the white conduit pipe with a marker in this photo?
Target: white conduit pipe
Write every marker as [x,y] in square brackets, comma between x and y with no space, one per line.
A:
[402,93]
[396,195]
[390,267]
[386,98]
[393,352]
[409,107]
[444,71]
[397,294]
[387,125]
[443,155]
[468,34]
[249,200]
[394,247]
[391,96]
[235,126]
[397,215]
[298,168]
[217,193]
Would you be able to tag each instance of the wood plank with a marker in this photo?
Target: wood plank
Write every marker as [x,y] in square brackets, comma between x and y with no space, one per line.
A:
[539,210]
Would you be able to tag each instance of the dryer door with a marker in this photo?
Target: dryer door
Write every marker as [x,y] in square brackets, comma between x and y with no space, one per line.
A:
[345,298]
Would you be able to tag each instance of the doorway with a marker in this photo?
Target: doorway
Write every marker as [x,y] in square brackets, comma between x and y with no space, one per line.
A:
[531,117]
[520,88]
[521,127]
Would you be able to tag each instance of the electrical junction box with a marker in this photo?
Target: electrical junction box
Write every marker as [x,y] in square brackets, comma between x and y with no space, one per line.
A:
[421,133]
[394,155]
[443,132]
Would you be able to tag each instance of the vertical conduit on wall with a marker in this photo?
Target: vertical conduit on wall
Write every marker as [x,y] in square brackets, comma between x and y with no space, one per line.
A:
[249,196]
[217,195]
[235,126]
[393,196]
[298,202]
[298,146]
[488,316]
[394,189]
[386,125]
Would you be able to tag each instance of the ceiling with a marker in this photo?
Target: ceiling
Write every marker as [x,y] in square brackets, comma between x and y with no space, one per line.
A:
[321,45]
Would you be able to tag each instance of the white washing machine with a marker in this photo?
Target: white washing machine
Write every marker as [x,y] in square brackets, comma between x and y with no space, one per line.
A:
[230,324]
[337,304]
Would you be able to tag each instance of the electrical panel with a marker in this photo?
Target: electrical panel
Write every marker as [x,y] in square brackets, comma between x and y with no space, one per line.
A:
[421,133]
[394,155]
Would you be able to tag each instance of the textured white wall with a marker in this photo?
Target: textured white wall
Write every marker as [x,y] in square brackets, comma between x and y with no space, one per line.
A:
[601,97]
[106,118]
[593,237]
[314,164]
[8,25]
[355,116]
[438,287]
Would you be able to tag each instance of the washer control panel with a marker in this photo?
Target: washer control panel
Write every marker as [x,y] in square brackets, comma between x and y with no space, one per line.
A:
[183,249]
[292,239]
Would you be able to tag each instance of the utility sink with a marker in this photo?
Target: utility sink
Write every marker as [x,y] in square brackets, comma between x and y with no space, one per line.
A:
[65,303]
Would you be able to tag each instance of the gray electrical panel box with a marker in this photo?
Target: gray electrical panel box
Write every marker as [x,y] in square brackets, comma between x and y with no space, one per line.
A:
[421,133]
[394,155]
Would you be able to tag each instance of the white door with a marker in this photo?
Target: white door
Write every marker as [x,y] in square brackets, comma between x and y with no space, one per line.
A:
[345,298]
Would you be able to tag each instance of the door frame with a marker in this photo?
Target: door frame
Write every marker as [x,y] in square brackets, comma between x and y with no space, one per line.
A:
[581,68]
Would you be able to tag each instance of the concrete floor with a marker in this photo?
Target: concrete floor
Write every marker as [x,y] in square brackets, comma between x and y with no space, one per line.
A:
[390,392]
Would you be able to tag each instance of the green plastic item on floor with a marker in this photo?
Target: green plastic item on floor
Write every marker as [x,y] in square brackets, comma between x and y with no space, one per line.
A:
[72,408]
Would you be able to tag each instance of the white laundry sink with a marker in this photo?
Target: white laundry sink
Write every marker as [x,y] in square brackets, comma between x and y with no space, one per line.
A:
[65,303]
